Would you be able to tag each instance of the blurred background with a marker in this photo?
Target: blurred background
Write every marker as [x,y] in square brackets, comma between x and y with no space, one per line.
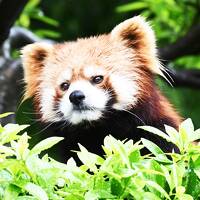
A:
[176,24]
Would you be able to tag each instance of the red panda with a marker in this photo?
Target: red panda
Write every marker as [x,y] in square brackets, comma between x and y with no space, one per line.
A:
[100,85]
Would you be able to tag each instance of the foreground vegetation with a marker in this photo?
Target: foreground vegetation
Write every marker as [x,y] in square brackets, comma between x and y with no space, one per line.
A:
[123,173]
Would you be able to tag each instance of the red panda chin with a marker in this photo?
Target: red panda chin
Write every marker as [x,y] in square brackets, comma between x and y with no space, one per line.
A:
[111,75]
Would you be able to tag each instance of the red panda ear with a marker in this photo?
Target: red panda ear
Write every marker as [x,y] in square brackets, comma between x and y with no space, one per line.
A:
[137,34]
[33,59]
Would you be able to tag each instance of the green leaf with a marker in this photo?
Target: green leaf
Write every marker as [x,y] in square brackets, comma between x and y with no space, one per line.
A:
[45,144]
[6,114]
[47,33]
[46,20]
[192,182]
[187,126]
[22,147]
[10,132]
[167,175]
[24,20]
[155,150]
[186,131]
[196,166]
[26,198]
[5,176]
[156,132]
[116,187]
[158,188]
[150,196]
[195,136]
[186,197]
[132,6]
[135,156]
[7,151]
[89,159]
[36,191]
[173,134]
[11,192]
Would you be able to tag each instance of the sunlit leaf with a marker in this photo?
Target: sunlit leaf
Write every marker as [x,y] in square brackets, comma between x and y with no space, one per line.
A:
[6,114]
[155,150]
[45,144]
[36,191]
[156,132]
[158,188]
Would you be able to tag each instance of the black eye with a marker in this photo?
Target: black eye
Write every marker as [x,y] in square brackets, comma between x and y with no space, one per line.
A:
[64,86]
[97,79]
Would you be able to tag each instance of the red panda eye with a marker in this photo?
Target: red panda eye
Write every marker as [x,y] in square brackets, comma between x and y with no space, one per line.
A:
[97,79]
[64,86]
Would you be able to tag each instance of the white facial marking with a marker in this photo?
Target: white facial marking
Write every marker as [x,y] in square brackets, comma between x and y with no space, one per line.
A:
[125,89]
[93,71]
[95,98]
[66,75]
[88,115]
[47,102]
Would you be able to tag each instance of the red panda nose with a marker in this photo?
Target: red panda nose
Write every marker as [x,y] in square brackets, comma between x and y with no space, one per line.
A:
[76,97]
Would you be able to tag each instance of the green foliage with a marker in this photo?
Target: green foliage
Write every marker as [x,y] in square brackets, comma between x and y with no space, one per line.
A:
[171,19]
[123,173]
[33,12]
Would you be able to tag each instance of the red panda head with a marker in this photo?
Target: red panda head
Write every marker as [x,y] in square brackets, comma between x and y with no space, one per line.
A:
[82,80]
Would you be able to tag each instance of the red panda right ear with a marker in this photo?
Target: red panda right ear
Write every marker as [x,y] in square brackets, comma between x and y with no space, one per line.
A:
[137,34]
[33,59]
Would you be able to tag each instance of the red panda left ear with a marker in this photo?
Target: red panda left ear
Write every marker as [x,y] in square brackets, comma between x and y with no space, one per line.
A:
[33,60]
[137,34]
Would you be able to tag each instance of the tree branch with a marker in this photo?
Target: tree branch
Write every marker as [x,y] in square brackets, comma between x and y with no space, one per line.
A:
[18,38]
[187,45]
[9,11]
[184,78]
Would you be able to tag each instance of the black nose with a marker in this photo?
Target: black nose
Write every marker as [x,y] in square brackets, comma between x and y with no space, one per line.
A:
[76,97]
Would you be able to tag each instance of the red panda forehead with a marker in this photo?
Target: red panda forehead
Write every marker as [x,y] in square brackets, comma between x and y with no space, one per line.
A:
[92,56]
[94,49]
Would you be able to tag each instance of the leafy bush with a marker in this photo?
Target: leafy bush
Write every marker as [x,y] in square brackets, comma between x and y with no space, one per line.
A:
[123,173]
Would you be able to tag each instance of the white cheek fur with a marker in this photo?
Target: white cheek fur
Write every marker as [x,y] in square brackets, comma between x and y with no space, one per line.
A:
[125,89]
[47,103]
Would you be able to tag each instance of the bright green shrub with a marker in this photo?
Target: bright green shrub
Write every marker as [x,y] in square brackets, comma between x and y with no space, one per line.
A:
[121,174]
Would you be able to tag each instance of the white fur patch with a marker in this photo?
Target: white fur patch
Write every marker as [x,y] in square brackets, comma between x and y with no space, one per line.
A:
[126,91]
[65,76]
[93,71]
[95,98]
[89,115]
[47,102]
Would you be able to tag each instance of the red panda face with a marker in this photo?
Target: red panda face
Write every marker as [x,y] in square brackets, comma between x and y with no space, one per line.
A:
[81,81]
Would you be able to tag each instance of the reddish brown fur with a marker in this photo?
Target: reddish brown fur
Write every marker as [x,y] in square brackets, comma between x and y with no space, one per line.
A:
[129,48]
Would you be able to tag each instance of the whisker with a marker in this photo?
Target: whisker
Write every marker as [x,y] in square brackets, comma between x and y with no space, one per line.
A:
[170,80]
[43,129]
[133,114]
[29,113]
